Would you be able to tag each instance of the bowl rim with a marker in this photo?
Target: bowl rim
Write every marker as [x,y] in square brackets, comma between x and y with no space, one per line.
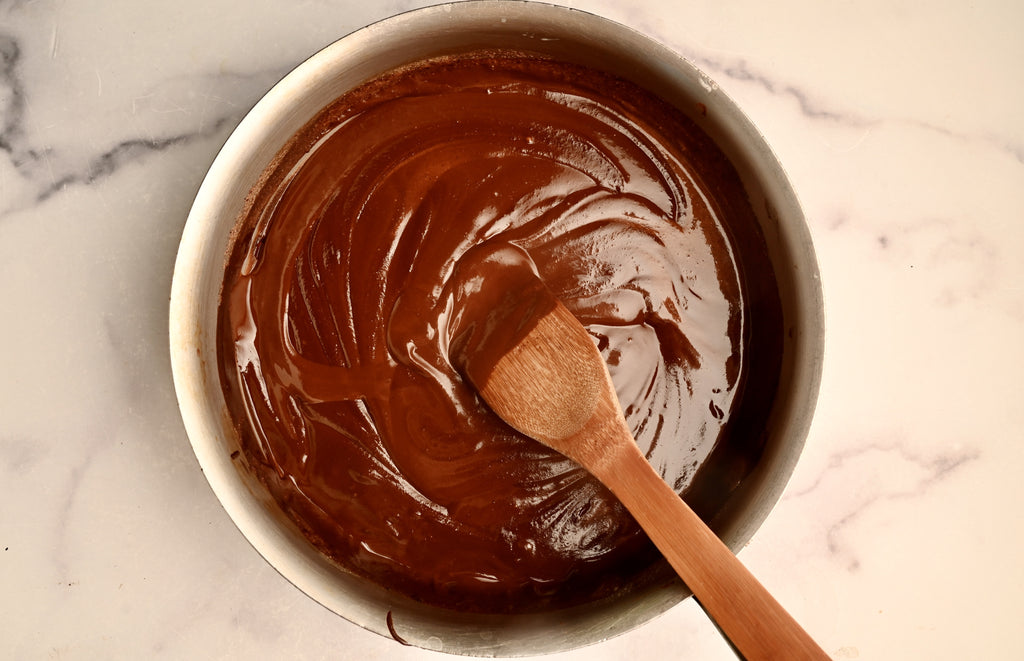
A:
[193,288]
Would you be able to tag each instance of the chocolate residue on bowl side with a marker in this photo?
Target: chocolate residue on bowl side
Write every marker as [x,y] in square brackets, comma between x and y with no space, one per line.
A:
[390,621]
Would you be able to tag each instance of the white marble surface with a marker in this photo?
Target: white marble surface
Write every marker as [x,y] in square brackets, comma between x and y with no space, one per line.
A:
[902,126]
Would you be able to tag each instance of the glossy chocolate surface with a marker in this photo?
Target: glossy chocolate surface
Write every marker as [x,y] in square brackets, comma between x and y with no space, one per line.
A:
[473,179]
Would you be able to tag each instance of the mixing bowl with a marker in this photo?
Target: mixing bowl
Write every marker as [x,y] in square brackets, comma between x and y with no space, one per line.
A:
[568,35]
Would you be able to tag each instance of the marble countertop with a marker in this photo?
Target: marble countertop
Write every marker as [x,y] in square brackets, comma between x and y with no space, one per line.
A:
[902,128]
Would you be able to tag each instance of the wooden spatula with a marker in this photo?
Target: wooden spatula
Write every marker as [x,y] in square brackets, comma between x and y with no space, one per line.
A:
[545,377]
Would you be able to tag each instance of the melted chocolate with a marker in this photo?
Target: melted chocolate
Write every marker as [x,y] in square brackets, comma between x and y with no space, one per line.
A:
[473,179]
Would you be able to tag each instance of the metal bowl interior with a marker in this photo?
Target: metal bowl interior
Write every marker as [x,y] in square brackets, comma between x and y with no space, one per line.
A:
[568,34]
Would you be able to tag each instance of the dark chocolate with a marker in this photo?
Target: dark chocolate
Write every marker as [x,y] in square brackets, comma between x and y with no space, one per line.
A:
[342,300]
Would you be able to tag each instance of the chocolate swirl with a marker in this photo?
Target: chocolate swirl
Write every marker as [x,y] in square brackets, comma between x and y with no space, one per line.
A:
[473,177]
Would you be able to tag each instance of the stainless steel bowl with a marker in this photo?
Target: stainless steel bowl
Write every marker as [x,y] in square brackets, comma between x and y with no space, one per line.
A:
[564,33]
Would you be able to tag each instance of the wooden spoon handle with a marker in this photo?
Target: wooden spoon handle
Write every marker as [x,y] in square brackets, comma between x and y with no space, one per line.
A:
[756,624]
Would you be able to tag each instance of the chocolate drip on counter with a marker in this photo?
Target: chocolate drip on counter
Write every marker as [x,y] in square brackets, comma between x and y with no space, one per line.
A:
[470,178]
